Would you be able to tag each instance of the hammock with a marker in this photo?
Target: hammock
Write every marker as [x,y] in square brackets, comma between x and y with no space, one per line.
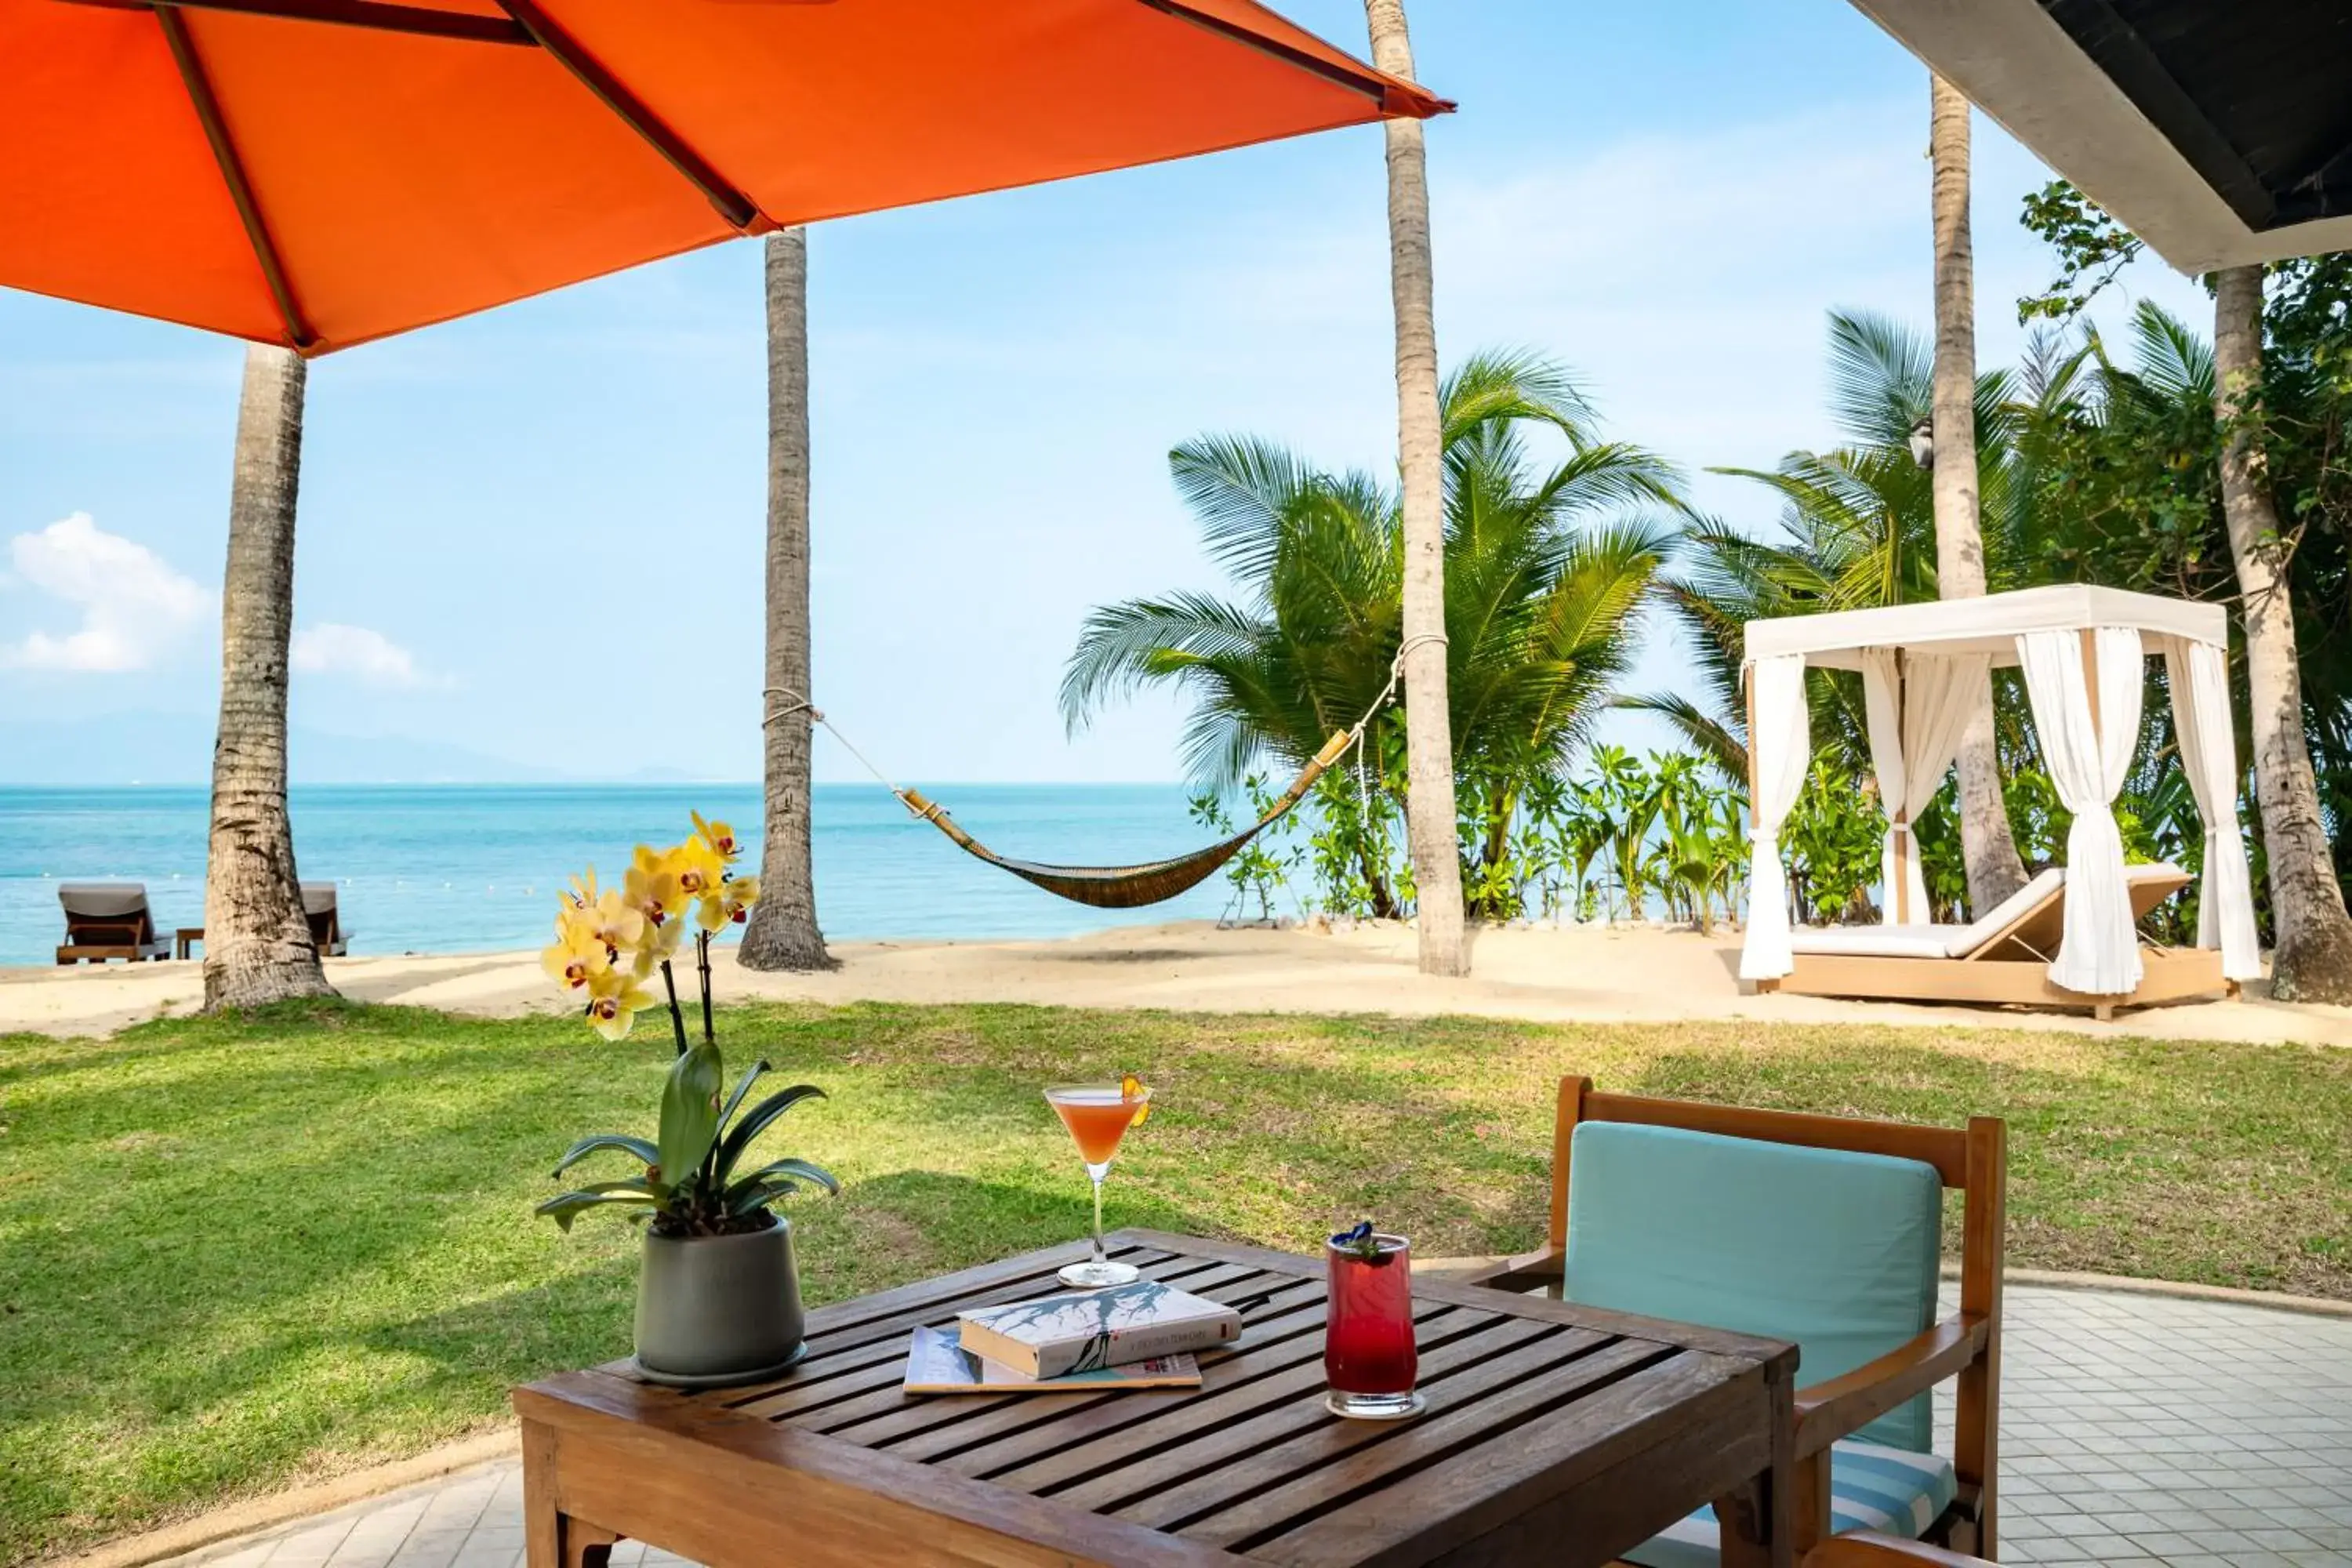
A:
[1121,887]
[1128,887]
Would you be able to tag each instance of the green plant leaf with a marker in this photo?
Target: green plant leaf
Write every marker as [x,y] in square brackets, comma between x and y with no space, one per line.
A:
[565,1207]
[642,1148]
[756,1121]
[690,1117]
[742,1086]
[786,1174]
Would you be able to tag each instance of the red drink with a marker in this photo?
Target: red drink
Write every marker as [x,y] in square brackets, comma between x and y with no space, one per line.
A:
[1369,1357]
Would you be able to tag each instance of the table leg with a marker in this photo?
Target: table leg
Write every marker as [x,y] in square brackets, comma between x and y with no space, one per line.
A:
[551,1538]
[1757,1525]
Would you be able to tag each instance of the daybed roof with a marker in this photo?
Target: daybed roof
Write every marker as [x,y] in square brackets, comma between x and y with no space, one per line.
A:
[1989,625]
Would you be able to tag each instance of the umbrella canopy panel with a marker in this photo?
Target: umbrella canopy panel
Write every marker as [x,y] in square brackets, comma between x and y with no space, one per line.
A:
[321,172]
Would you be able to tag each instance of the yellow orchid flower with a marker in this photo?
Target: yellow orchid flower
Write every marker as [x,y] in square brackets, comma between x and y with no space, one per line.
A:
[615,1000]
[580,951]
[699,868]
[731,903]
[651,887]
[655,945]
[718,836]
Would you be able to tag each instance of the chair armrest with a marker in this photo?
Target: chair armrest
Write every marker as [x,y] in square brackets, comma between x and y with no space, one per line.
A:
[1843,1406]
[1528,1271]
[1868,1549]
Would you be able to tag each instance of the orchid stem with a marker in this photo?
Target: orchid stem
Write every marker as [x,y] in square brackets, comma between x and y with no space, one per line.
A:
[702,961]
[677,1018]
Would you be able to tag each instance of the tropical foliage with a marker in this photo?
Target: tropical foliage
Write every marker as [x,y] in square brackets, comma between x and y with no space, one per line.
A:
[1549,560]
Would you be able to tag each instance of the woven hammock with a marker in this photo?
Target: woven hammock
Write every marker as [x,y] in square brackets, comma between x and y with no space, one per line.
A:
[1128,887]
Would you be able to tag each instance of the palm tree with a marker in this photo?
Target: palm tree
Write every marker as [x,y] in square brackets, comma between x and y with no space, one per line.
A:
[257,945]
[783,932]
[2313,956]
[1429,744]
[1994,870]
[1545,570]
[1857,531]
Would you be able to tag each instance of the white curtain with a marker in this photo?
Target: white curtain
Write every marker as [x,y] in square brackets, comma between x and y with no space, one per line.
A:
[2088,756]
[1780,747]
[2198,674]
[1916,708]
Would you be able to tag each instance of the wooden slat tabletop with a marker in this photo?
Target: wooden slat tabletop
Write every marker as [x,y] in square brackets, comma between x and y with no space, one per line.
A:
[1527,1400]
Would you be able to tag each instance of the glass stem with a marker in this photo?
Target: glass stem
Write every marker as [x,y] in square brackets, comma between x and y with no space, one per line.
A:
[1098,1175]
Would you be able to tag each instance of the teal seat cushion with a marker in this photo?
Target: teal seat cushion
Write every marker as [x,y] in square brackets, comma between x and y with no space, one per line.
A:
[1871,1488]
[1832,1250]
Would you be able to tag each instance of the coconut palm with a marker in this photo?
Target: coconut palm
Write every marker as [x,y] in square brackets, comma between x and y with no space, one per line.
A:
[1546,570]
[1994,870]
[784,931]
[1857,530]
[2313,959]
[1429,736]
[258,944]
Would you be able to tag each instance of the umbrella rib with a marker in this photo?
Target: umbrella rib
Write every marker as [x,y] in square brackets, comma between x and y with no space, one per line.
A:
[1365,82]
[232,168]
[381,17]
[734,205]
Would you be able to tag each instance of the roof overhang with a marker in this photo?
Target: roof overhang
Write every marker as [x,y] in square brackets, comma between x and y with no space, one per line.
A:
[2220,131]
[1989,624]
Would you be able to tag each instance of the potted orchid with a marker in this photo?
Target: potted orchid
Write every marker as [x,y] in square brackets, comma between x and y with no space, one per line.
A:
[719,1295]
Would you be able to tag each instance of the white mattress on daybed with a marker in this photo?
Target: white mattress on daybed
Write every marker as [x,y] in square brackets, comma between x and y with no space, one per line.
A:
[1945,940]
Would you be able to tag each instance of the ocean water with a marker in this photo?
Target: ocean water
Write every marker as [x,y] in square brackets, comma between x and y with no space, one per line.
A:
[467,868]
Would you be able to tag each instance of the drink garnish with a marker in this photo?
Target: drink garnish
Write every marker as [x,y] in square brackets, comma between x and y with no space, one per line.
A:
[1359,1241]
[1131,1087]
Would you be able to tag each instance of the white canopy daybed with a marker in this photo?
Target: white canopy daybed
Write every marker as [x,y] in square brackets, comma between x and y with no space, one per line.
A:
[2070,938]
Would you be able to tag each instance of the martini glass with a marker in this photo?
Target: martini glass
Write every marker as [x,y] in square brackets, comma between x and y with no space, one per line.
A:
[1098,1115]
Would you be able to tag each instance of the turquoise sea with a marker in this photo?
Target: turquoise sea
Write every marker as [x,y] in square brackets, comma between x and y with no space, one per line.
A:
[469,869]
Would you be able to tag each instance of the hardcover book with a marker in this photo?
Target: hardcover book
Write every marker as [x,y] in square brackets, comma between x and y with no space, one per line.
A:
[1098,1329]
[937,1363]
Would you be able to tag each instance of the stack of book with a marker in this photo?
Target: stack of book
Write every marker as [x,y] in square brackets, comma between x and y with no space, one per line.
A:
[1141,1336]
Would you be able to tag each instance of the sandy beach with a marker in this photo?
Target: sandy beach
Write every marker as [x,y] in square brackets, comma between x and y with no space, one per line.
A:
[1570,974]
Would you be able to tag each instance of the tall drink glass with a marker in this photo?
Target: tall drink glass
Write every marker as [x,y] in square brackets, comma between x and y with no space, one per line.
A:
[1369,1357]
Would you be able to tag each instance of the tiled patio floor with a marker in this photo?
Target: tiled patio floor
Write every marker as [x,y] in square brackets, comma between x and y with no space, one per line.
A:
[2137,1429]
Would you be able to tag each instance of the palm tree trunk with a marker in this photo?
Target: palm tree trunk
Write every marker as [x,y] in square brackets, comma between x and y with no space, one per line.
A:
[1429,729]
[784,931]
[2314,957]
[1994,869]
[257,946]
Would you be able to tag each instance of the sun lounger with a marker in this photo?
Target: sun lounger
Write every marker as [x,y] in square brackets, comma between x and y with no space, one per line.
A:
[107,920]
[326,925]
[2002,957]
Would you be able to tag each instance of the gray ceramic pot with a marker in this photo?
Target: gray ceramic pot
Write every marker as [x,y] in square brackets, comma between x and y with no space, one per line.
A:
[713,1309]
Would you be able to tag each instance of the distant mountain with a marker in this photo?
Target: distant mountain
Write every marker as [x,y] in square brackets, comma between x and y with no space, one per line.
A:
[177,748]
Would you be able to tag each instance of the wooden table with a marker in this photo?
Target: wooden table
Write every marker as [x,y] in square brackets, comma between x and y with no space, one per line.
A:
[1555,1434]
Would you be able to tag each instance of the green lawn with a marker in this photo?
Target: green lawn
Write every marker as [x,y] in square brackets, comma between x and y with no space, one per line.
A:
[238,1253]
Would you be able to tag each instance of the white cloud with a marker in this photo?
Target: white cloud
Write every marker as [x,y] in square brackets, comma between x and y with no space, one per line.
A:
[133,604]
[361,652]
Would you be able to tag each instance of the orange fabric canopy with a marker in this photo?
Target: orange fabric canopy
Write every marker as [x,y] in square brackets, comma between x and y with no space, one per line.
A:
[320,173]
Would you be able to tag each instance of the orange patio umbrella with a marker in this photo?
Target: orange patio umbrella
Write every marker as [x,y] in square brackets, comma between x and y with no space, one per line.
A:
[320,173]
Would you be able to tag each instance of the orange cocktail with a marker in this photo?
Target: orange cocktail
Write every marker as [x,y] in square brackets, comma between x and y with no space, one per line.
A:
[1099,1116]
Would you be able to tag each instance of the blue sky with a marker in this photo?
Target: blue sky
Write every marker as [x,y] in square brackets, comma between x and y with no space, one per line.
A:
[536,533]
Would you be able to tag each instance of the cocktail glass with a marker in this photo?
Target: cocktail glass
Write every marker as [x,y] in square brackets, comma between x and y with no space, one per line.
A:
[1098,1115]
[1369,1357]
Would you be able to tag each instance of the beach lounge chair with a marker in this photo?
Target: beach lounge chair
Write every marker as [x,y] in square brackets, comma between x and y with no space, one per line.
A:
[1868,1549]
[326,923]
[107,920]
[2002,957]
[1821,1230]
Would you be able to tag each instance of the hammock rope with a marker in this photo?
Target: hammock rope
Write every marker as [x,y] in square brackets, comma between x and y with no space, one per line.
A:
[1152,882]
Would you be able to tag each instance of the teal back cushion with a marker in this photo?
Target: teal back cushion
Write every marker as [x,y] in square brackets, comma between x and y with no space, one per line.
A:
[1832,1250]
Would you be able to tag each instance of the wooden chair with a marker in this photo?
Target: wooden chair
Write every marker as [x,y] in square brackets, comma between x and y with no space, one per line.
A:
[108,921]
[319,906]
[1967,1347]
